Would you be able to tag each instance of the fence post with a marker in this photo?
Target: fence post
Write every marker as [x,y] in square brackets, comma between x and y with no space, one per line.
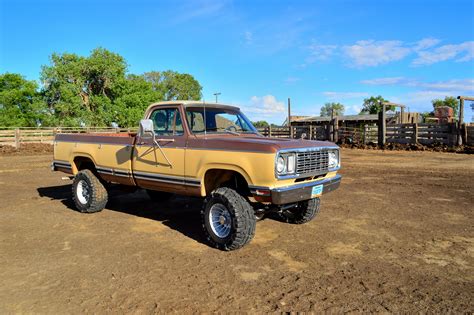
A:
[464,134]
[291,132]
[366,127]
[310,132]
[270,130]
[382,127]
[336,129]
[17,138]
[415,133]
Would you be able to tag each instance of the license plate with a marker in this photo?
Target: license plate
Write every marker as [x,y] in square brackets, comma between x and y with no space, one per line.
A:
[317,191]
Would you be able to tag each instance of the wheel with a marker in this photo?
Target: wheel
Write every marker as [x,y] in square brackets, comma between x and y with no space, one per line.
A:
[304,212]
[88,193]
[228,219]
[159,196]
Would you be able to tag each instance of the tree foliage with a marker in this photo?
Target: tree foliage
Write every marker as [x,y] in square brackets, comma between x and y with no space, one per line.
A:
[326,109]
[20,102]
[94,90]
[373,105]
[260,124]
[449,101]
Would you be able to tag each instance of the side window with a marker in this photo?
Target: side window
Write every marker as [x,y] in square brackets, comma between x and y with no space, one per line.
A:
[195,120]
[167,122]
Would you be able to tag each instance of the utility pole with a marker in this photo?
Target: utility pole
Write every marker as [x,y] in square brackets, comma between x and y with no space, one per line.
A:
[217,95]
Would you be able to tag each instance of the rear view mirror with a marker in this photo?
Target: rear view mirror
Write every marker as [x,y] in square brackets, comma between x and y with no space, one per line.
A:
[146,128]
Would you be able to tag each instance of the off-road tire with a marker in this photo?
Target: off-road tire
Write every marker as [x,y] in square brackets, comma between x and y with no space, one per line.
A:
[159,196]
[304,212]
[242,215]
[98,194]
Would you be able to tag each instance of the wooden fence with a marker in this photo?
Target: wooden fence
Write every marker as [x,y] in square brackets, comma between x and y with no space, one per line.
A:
[422,133]
[395,133]
[16,136]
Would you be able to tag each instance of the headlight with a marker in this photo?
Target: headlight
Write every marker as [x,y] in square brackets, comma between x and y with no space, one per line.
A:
[286,164]
[280,167]
[333,159]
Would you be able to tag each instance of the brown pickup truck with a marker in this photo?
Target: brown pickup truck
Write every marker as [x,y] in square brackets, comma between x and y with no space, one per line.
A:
[205,150]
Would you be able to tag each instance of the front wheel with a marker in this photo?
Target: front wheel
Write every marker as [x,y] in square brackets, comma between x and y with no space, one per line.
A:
[228,219]
[303,212]
[88,193]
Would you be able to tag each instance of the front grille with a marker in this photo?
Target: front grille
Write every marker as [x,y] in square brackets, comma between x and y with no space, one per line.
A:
[312,162]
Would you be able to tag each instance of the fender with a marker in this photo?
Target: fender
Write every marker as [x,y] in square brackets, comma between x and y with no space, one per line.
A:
[221,166]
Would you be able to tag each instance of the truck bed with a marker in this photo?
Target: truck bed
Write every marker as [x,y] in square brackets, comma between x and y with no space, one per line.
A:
[111,154]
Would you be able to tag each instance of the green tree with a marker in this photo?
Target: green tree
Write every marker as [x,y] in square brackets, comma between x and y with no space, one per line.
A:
[20,102]
[260,124]
[373,105]
[96,90]
[327,109]
[81,89]
[174,85]
[449,101]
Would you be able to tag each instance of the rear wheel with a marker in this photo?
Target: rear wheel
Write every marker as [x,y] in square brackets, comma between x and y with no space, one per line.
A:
[159,196]
[228,219]
[88,193]
[303,212]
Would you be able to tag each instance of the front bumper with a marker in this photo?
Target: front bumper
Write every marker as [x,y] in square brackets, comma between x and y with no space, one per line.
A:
[300,192]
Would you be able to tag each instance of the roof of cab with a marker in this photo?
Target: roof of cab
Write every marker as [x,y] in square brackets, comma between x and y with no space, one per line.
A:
[192,104]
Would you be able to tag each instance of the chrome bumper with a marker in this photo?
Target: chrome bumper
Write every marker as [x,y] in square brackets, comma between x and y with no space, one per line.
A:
[300,192]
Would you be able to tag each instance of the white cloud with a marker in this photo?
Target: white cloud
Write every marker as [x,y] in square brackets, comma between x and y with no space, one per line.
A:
[373,53]
[200,9]
[463,52]
[319,52]
[384,81]
[267,104]
[449,85]
[426,43]
[344,95]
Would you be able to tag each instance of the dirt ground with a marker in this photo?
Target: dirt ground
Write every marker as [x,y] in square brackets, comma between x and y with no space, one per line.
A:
[398,236]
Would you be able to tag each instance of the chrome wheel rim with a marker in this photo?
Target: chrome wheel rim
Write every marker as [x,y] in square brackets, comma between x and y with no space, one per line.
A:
[220,220]
[83,192]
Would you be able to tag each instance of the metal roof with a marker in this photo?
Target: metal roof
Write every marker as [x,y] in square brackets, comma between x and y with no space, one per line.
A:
[342,118]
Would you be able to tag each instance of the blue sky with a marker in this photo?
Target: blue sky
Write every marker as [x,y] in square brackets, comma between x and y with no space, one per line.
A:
[259,53]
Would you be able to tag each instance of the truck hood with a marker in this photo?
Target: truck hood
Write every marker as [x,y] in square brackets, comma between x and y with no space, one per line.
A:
[254,143]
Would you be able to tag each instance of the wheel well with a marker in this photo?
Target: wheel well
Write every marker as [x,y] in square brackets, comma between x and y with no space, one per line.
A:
[216,178]
[83,163]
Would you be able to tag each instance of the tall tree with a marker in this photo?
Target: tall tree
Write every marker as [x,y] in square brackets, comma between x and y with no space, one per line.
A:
[174,85]
[327,109]
[373,105]
[449,101]
[20,102]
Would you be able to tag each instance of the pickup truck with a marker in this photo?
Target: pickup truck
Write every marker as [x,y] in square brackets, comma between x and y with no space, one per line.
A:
[207,150]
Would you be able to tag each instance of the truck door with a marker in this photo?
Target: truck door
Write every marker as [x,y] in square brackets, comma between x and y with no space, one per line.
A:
[161,169]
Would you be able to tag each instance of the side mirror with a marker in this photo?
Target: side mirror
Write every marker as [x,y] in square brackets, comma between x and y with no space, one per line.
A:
[146,128]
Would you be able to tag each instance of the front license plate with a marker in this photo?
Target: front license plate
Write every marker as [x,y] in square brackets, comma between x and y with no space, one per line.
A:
[317,191]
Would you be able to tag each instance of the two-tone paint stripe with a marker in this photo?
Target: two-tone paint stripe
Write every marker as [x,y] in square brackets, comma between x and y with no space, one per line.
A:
[168,179]
[113,172]
[60,164]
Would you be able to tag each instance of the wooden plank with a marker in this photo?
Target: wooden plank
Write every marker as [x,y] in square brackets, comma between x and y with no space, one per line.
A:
[403,141]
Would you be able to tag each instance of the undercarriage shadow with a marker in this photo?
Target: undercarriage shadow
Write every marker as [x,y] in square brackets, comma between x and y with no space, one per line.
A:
[179,213]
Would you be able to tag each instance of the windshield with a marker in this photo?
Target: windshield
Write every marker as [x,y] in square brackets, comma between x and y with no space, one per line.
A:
[218,120]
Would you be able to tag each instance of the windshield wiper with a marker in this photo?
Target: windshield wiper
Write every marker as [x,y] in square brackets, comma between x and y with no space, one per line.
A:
[232,132]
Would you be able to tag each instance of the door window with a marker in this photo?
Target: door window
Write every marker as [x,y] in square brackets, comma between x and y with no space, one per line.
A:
[167,122]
